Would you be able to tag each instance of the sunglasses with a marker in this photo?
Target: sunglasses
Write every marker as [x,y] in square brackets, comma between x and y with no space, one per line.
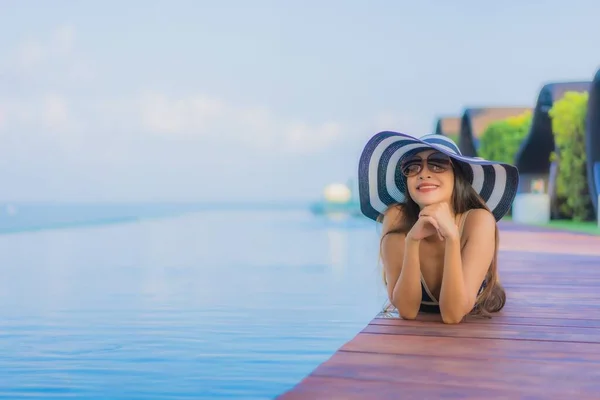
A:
[436,163]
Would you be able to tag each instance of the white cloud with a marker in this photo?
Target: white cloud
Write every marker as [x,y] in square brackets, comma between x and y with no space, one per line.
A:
[190,120]
[300,137]
[187,116]
[52,58]
[60,139]
[32,53]
[45,113]
[260,128]
[255,127]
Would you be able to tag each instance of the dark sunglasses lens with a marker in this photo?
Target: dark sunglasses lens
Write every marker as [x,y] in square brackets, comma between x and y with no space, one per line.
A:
[439,161]
[411,167]
[436,162]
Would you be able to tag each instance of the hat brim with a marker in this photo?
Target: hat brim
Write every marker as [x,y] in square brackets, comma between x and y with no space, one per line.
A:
[381,183]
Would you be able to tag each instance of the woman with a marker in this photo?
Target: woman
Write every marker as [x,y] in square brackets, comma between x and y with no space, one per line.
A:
[439,211]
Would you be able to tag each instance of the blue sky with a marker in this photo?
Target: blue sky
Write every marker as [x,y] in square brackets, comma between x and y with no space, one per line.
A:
[261,100]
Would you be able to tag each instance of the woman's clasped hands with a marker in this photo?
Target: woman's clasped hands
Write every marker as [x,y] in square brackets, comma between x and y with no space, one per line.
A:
[434,219]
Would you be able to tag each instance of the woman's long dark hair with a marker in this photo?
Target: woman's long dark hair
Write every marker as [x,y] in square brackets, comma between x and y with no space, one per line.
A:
[493,297]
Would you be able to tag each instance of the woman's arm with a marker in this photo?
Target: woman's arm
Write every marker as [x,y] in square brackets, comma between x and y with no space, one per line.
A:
[407,292]
[402,268]
[465,271]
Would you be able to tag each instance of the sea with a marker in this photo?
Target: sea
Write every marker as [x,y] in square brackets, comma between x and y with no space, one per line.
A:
[178,301]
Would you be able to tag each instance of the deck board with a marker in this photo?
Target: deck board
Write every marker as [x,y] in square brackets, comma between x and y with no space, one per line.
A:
[544,344]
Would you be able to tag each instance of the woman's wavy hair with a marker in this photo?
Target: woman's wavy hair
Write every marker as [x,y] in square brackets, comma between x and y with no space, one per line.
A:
[493,298]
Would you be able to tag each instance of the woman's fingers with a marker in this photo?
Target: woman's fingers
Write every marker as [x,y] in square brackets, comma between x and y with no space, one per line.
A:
[432,221]
[435,224]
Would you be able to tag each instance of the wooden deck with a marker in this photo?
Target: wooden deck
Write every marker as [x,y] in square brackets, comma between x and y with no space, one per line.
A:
[544,344]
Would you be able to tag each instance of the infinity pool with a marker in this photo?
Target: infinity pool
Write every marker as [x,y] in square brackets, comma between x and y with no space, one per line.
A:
[212,304]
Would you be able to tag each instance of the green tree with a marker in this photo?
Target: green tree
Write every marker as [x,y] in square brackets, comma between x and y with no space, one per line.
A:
[568,124]
[501,139]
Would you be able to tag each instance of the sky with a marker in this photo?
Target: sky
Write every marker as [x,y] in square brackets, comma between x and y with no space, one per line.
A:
[258,100]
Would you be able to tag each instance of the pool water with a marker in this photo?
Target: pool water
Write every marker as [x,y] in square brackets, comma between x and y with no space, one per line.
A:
[237,303]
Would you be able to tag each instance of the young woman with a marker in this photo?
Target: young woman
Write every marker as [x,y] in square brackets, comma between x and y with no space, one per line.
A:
[439,211]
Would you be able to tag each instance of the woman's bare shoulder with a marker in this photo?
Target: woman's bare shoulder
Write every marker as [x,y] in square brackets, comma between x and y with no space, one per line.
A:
[392,218]
[478,220]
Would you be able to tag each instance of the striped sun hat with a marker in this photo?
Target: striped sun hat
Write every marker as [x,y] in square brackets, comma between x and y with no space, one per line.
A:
[381,182]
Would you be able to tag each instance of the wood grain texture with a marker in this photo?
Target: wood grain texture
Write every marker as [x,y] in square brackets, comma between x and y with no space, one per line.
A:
[544,344]
[317,387]
[567,377]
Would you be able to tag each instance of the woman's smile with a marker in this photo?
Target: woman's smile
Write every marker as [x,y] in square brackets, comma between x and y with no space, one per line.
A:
[426,187]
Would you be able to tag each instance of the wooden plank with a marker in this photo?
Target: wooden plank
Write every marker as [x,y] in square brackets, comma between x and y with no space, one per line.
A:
[332,388]
[475,348]
[505,320]
[556,312]
[515,332]
[531,377]
[535,279]
[545,342]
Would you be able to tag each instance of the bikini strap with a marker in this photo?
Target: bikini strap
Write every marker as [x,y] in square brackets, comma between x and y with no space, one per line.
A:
[462,221]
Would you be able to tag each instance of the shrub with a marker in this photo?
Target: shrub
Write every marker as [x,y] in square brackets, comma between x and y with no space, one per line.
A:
[568,124]
[501,139]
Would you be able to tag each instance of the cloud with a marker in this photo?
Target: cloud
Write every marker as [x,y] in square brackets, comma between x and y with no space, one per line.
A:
[50,60]
[48,112]
[183,116]
[304,138]
[98,126]
[33,53]
[43,64]
[259,128]
[61,140]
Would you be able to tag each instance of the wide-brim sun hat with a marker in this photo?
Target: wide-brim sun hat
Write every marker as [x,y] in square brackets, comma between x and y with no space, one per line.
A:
[382,184]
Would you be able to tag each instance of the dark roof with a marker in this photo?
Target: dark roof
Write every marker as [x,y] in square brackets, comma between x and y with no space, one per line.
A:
[555,91]
[447,126]
[592,140]
[474,121]
[533,156]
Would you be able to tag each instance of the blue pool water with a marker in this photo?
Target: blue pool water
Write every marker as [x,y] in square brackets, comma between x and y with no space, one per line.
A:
[218,303]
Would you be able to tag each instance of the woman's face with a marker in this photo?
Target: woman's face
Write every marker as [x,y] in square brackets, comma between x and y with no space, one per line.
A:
[430,177]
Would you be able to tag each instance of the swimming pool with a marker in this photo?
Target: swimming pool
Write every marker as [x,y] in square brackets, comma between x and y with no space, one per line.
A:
[213,304]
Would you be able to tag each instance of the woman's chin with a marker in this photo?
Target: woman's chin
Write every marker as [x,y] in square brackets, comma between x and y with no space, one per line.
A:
[424,201]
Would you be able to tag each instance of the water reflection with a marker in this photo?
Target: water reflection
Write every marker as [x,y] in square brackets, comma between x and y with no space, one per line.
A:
[338,255]
[220,304]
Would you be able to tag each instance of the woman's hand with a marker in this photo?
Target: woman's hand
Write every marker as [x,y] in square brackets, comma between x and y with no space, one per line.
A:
[424,227]
[444,219]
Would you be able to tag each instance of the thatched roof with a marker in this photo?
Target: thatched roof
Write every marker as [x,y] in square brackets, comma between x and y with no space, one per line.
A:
[474,122]
[533,156]
[448,126]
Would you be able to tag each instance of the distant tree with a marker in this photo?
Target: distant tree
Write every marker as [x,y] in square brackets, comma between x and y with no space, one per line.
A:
[568,124]
[501,139]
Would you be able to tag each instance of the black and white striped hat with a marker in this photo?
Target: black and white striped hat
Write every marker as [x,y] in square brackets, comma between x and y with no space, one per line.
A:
[381,182]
